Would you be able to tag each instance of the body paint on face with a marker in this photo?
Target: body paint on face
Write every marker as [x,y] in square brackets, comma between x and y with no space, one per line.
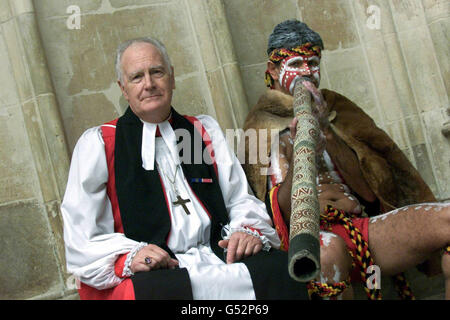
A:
[306,50]
[299,67]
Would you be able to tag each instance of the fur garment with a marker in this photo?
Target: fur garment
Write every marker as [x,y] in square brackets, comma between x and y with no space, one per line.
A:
[384,167]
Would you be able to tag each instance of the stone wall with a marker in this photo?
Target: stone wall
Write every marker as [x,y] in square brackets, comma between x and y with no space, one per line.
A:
[58,80]
[397,71]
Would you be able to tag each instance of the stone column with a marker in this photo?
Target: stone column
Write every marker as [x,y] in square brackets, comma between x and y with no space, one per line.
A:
[438,121]
[409,90]
[219,62]
[30,221]
[436,14]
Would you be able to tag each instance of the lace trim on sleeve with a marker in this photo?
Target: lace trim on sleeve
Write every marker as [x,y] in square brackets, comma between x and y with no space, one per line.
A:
[126,269]
[227,231]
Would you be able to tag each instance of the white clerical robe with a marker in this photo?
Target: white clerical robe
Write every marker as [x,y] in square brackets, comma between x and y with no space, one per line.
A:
[92,246]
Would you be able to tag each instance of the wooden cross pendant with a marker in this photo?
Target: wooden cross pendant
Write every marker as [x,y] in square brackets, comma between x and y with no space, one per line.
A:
[183,203]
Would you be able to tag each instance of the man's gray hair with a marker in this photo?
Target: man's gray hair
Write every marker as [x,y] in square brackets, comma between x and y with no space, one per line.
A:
[125,45]
[292,33]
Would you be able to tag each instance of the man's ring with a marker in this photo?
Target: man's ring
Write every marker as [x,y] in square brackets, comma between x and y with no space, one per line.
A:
[148,260]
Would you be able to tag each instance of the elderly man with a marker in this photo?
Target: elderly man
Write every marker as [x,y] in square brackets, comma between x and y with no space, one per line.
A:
[144,219]
[361,172]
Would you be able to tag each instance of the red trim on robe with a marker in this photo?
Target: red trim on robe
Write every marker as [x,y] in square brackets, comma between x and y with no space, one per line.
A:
[109,137]
[206,138]
[125,290]
[254,229]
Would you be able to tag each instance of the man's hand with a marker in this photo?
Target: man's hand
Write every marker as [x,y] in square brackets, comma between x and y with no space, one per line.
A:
[338,197]
[320,144]
[240,245]
[319,105]
[159,259]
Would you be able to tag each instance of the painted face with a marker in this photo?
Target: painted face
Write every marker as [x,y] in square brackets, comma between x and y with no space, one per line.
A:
[296,67]
[147,84]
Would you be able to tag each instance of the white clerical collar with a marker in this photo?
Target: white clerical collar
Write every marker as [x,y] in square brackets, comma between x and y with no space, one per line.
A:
[148,142]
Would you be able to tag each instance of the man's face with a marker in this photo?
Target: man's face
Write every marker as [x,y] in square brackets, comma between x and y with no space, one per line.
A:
[300,66]
[146,83]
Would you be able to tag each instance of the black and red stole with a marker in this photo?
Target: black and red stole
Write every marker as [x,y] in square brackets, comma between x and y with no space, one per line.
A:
[143,207]
[145,216]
